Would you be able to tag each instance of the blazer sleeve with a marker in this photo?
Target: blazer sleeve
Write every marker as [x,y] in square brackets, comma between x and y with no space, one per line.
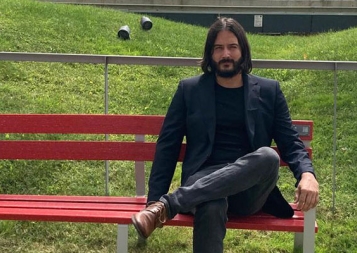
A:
[168,147]
[291,148]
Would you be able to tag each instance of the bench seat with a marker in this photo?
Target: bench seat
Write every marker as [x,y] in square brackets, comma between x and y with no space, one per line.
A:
[118,210]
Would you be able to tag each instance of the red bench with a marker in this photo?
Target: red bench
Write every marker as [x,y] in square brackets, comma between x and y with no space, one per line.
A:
[108,209]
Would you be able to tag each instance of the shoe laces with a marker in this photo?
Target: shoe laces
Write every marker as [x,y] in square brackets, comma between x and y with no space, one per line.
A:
[160,209]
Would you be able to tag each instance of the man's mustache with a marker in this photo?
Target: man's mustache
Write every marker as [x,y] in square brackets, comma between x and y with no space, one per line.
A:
[226,61]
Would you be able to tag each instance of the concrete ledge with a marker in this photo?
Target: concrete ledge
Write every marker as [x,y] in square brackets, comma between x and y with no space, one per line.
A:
[299,17]
[266,3]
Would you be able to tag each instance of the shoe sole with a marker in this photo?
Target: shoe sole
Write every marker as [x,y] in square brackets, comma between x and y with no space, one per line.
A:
[136,226]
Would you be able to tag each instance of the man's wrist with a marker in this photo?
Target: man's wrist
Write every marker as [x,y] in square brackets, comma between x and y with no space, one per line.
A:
[307,174]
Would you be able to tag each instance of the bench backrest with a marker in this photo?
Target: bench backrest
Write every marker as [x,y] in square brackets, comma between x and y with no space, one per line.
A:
[64,148]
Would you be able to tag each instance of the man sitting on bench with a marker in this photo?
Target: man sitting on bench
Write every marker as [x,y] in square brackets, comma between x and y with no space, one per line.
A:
[229,118]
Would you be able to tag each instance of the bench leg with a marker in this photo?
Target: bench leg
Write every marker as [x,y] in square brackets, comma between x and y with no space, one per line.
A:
[306,240]
[298,241]
[122,239]
[309,231]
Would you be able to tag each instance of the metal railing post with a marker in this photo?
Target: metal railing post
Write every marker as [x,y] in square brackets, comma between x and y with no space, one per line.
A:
[334,138]
[106,109]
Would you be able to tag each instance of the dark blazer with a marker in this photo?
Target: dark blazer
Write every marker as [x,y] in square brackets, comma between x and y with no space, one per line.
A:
[192,114]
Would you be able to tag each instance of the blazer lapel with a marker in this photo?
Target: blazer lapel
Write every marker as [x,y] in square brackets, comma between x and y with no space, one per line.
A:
[251,100]
[207,103]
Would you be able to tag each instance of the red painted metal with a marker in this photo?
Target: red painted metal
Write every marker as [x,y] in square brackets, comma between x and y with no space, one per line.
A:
[84,150]
[78,199]
[93,124]
[79,150]
[66,215]
[119,210]
[308,123]
[81,123]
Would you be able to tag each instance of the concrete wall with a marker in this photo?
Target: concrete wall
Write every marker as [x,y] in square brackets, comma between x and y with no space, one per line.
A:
[256,16]
[300,3]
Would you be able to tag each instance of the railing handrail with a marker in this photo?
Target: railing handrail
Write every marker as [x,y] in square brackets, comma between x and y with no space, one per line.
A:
[170,61]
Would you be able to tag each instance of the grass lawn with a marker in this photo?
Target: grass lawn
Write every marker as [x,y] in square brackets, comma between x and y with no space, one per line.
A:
[29,87]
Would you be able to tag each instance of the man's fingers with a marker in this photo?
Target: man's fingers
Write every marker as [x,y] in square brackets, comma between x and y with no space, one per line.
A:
[301,201]
[307,193]
[315,199]
[309,202]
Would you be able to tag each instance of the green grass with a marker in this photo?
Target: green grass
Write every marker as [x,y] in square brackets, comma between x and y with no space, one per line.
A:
[29,87]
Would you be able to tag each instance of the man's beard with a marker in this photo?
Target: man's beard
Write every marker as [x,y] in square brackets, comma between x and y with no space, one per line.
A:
[237,68]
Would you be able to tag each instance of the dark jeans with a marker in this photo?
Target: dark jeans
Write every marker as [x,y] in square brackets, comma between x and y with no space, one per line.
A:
[239,188]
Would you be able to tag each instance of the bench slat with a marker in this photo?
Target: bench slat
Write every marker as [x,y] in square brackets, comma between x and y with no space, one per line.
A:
[251,223]
[119,210]
[77,150]
[71,206]
[108,205]
[95,216]
[79,199]
[81,123]
[124,217]
[101,124]
[84,150]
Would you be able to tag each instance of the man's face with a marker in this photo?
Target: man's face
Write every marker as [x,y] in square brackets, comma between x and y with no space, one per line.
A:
[227,55]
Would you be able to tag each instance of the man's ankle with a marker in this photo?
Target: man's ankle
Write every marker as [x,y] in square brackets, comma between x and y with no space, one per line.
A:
[165,199]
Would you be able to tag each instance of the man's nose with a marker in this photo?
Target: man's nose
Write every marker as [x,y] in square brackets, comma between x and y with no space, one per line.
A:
[226,53]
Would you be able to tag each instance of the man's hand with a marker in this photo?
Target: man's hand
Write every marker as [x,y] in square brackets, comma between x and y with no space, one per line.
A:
[307,192]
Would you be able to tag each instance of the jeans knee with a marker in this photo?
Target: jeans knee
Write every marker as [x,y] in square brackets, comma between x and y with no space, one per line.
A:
[269,156]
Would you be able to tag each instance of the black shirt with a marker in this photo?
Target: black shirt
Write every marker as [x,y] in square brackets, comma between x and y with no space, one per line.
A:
[231,139]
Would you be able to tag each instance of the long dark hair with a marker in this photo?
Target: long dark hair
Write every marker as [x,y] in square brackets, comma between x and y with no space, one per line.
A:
[226,24]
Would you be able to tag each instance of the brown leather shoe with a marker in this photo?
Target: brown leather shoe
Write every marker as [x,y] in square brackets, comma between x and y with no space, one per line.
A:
[150,218]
